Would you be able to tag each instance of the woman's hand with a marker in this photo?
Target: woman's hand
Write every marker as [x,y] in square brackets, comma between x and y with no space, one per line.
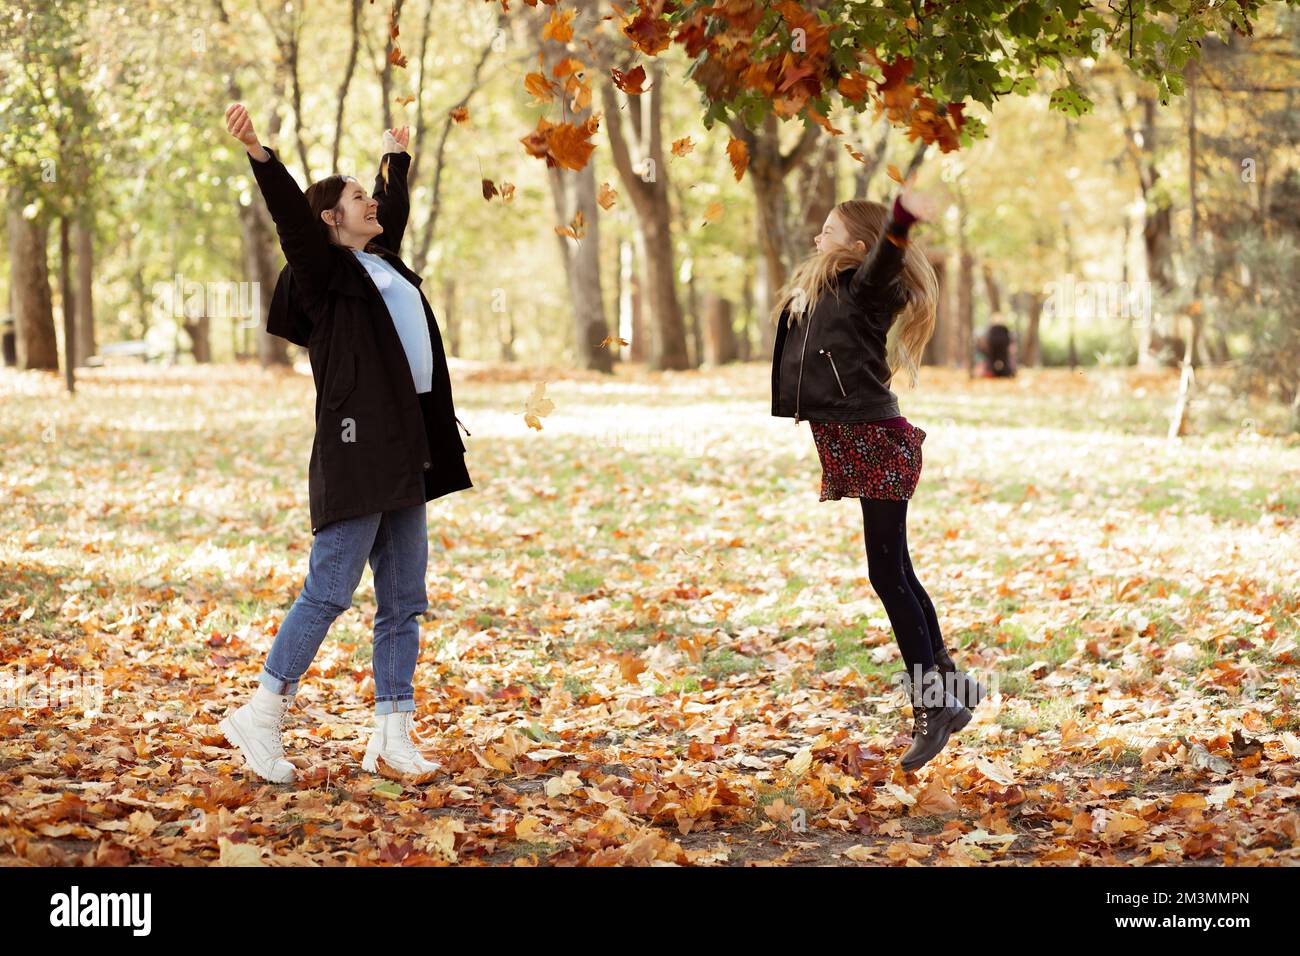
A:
[921,205]
[396,140]
[240,125]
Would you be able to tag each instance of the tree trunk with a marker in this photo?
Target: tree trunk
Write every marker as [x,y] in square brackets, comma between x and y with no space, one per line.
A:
[67,304]
[722,337]
[29,281]
[644,174]
[260,263]
[1032,352]
[84,238]
[450,316]
[574,191]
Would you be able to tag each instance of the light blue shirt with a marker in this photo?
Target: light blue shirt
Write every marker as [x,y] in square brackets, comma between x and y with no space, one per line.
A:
[407,309]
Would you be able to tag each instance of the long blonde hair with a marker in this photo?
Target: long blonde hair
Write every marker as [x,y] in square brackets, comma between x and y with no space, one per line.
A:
[813,277]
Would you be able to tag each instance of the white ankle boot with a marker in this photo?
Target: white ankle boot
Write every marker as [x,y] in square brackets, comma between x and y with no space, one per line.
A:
[392,753]
[257,729]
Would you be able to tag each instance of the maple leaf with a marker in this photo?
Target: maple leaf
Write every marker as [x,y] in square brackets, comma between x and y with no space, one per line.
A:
[607,196]
[632,82]
[682,146]
[541,88]
[560,27]
[459,115]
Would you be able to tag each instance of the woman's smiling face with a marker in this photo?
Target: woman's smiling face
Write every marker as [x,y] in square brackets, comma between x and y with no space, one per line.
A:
[355,217]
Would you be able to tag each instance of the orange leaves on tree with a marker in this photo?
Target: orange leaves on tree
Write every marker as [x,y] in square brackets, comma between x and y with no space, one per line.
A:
[647,30]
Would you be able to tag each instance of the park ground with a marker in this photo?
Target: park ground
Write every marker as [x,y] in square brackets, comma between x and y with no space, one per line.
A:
[648,641]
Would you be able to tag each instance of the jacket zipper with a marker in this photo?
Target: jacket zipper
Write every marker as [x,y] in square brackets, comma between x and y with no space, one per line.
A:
[827,353]
[799,385]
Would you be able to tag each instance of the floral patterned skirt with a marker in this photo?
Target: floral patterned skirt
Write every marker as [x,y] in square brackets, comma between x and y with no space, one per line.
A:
[866,460]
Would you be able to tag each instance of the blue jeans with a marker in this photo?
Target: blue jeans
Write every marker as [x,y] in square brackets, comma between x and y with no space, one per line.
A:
[397,545]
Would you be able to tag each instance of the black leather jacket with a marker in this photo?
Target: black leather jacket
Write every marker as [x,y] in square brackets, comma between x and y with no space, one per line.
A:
[831,367]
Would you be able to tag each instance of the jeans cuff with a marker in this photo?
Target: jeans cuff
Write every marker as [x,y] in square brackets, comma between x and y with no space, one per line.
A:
[396,706]
[277,685]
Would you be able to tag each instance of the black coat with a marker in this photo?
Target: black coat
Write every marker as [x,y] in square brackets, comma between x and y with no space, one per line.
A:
[375,449]
[831,366]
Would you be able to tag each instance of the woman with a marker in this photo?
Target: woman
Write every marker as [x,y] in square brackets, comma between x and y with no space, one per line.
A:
[386,441]
[834,372]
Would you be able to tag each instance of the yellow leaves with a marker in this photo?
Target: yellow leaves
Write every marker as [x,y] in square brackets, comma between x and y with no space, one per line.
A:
[239,854]
[798,764]
[563,785]
[712,213]
[537,407]
[905,851]
[995,771]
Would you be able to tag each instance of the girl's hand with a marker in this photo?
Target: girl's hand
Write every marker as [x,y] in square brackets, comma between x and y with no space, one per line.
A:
[240,125]
[396,140]
[921,205]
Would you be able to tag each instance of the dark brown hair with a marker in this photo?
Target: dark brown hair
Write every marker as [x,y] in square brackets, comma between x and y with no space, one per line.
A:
[324,195]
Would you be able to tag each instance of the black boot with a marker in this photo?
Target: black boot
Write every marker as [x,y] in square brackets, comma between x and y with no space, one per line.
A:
[936,715]
[963,686]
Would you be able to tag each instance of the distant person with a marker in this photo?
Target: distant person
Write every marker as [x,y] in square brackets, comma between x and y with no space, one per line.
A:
[386,442]
[996,348]
[830,367]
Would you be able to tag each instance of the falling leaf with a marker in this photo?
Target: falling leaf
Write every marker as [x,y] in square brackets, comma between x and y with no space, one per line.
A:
[738,154]
[537,407]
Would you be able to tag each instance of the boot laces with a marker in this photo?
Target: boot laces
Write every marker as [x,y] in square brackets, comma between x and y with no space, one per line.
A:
[281,716]
[404,742]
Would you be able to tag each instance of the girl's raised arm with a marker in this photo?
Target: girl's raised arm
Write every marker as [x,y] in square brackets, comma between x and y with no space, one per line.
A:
[879,274]
[301,237]
[390,188]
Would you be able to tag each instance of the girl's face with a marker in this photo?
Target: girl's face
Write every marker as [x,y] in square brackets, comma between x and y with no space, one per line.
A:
[835,236]
[355,217]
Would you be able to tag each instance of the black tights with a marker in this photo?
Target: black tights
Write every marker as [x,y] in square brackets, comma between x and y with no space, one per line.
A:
[889,568]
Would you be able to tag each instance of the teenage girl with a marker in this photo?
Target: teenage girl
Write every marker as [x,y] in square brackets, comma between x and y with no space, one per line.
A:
[385,443]
[832,367]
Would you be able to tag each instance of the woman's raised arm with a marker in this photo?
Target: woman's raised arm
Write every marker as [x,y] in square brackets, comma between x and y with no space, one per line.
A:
[302,237]
[390,188]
